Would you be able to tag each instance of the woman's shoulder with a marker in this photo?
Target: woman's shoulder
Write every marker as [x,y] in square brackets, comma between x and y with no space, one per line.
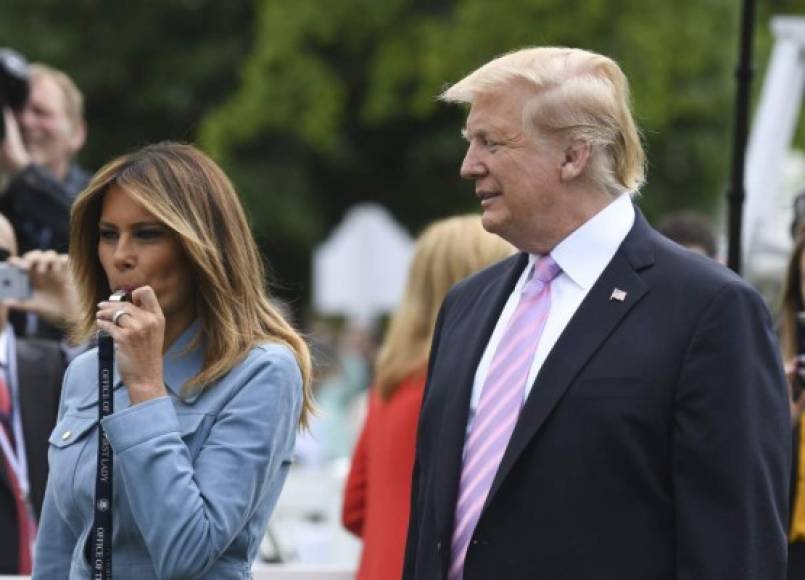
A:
[270,361]
[81,376]
[274,354]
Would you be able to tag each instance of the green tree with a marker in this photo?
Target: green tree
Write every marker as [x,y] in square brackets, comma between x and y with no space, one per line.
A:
[337,100]
[312,106]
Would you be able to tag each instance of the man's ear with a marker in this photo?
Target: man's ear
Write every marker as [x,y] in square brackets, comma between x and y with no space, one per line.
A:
[577,154]
[78,137]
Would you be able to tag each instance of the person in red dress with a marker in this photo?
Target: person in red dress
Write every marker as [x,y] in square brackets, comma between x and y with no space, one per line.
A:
[378,489]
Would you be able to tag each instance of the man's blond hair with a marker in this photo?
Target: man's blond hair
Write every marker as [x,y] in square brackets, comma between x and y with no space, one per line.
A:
[73,99]
[578,95]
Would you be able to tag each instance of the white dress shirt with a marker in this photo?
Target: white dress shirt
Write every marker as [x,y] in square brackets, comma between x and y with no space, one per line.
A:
[582,256]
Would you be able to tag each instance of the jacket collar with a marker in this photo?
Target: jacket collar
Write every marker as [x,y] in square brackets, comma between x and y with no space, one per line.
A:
[184,360]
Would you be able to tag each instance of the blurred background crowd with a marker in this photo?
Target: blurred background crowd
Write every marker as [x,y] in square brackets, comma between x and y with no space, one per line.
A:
[324,115]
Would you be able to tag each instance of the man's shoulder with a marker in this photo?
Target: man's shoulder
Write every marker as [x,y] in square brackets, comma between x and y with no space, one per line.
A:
[675,260]
[698,278]
[39,350]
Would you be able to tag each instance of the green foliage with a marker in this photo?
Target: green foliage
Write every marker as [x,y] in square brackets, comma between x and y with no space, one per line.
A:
[354,84]
[313,105]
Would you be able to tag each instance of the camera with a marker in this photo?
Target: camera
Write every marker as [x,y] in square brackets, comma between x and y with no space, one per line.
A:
[14,85]
[14,282]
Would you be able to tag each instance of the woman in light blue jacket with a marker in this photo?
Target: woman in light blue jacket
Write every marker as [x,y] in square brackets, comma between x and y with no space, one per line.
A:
[210,384]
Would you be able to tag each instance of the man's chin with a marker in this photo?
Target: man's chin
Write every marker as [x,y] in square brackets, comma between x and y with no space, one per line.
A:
[492,223]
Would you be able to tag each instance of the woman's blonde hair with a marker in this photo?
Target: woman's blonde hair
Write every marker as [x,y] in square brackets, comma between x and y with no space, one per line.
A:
[578,94]
[191,195]
[792,302]
[446,252]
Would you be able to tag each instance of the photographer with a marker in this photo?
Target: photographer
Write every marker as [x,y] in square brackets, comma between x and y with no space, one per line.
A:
[37,154]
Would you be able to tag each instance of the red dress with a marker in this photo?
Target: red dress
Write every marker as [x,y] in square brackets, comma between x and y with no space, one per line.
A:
[378,492]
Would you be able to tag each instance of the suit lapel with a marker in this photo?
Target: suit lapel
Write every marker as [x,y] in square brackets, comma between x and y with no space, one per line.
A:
[469,335]
[28,403]
[596,318]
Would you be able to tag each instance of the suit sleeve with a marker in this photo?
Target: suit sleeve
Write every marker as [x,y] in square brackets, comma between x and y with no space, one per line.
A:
[353,512]
[731,445]
[412,541]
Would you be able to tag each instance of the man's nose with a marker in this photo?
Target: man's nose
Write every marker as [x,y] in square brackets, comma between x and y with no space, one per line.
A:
[472,167]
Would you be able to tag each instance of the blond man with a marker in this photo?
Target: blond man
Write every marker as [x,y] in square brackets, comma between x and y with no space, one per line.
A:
[605,405]
[37,155]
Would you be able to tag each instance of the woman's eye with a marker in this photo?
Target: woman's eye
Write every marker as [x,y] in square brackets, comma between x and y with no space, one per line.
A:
[150,233]
[108,234]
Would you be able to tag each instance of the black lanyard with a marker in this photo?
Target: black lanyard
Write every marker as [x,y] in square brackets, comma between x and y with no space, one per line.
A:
[101,555]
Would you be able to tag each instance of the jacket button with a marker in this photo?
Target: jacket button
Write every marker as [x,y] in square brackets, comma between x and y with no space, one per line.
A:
[66,435]
[438,546]
[475,542]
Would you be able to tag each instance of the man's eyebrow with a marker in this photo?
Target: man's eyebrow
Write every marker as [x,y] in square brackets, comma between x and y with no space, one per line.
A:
[466,134]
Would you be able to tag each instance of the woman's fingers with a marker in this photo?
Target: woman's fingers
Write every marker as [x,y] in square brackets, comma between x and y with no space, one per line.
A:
[145,298]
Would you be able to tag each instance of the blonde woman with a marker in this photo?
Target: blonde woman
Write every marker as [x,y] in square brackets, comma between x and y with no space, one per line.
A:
[210,386]
[379,484]
[792,304]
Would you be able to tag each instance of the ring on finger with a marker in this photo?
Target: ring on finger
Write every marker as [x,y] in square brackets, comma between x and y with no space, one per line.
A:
[118,315]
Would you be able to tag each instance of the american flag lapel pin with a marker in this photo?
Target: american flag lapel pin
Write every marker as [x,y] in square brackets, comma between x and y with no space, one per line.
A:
[618,294]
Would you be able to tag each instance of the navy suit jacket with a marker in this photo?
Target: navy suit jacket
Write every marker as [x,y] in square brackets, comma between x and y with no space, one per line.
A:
[40,368]
[655,443]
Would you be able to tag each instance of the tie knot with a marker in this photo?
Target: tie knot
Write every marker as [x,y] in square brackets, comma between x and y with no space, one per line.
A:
[545,270]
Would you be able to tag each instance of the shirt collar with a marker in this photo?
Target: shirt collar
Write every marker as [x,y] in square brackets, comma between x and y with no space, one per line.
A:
[585,253]
[4,334]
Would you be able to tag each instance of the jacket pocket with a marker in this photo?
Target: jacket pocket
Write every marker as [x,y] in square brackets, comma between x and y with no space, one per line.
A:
[70,430]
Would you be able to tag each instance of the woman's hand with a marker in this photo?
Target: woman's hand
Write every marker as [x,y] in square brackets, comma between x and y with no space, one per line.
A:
[797,404]
[139,336]
[54,295]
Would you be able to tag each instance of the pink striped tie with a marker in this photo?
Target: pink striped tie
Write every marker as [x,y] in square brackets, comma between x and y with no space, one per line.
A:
[499,407]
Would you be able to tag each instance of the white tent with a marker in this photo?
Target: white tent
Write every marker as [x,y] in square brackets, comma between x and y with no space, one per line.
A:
[770,166]
[360,270]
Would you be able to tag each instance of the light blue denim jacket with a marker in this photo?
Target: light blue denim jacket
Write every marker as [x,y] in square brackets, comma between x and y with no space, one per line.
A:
[195,480]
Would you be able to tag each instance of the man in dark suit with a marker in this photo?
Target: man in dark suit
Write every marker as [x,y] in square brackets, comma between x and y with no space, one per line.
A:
[604,405]
[31,372]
